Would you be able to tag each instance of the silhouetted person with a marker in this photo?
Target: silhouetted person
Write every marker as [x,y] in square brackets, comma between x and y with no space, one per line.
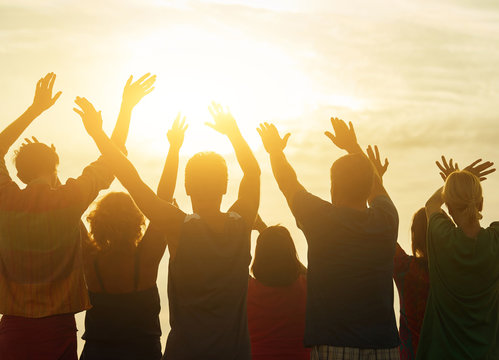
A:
[277,295]
[209,250]
[350,252]
[462,314]
[121,268]
[410,274]
[41,273]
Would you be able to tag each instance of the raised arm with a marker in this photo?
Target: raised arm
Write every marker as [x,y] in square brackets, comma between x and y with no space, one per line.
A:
[283,172]
[344,137]
[168,180]
[42,101]
[478,168]
[249,190]
[133,92]
[158,211]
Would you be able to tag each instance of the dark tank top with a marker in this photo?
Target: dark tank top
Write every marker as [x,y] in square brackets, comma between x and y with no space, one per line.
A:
[130,316]
[207,288]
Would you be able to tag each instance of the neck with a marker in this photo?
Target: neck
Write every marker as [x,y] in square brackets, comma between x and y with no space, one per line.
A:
[205,208]
[44,179]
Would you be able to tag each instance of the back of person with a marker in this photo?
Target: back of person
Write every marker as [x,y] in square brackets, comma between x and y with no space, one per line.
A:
[207,288]
[412,278]
[276,320]
[121,268]
[350,268]
[40,255]
[413,282]
[462,316]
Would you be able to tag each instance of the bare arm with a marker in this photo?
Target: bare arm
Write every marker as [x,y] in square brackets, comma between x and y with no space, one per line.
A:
[259,224]
[249,189]
[283,172]
[345,139]
[43,100]
[157,210]
[132,94]
[167,183]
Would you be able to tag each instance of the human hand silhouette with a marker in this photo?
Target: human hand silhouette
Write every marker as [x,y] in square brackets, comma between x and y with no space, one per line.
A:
[224,122]
[33,140]
[43,94]
[376,160]
[135,91]
[480,170]
[92,119]
[272,142]
[344,136]
[177,132]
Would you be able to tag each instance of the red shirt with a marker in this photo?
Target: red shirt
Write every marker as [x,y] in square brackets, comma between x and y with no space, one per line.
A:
[276,320]
[411,276]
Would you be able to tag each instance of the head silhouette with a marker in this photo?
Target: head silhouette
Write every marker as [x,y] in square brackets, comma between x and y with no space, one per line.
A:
[116,222]
[351,179]
[36,160]
[276,262]
[418,233]
[206,176]
[462,195]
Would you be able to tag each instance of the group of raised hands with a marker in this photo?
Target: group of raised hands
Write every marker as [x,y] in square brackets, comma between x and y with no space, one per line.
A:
[344,136]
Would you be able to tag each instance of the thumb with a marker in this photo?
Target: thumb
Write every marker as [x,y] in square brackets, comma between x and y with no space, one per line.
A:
[330,136]
[285,139]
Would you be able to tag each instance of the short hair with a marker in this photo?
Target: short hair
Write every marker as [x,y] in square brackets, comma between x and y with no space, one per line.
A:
[418,233]
[463,193]
[276,262]
[352,175]
[35,159]
[116,222]
[206,174]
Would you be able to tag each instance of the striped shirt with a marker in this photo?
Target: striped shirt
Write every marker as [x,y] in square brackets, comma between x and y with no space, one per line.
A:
[41,272]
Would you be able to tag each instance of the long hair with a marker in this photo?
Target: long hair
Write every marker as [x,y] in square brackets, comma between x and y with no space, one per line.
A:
[418,233]
[276,262]
[116,222]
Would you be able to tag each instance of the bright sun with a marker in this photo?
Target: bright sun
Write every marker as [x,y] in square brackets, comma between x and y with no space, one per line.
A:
[257,81]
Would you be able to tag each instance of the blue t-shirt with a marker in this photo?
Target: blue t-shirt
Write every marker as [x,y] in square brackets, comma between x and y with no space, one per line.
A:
[350,269]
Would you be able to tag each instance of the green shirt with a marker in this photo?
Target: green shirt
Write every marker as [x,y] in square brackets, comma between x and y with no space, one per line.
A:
[462,314]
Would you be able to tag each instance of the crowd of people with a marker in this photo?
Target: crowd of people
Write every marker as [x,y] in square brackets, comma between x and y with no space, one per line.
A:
[222,303]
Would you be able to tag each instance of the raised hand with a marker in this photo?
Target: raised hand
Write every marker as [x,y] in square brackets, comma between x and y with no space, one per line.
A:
[135,91]
[480,170]
[92,119]
[344,136]
[376,160]
[224,122]
[177,132]
[272,141]
[34,140]
[43,94]
[446,168]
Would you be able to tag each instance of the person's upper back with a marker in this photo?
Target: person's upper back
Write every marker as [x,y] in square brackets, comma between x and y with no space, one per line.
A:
[462,316]
[208,280]
[350,268]
[276,319]
[40,253]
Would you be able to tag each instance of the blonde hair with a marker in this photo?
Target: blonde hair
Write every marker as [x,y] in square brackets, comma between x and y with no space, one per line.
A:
[463,193]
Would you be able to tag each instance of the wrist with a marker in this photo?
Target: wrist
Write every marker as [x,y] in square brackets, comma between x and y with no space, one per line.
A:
[354,149]
[34,110]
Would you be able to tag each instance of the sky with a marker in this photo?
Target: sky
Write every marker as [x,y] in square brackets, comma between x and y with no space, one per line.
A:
[419,79]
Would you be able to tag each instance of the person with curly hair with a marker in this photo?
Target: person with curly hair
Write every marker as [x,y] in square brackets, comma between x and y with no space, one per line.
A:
[121,267]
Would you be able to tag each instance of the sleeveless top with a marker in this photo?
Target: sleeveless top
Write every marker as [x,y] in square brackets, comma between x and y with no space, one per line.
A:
[132,316]
[207,288]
